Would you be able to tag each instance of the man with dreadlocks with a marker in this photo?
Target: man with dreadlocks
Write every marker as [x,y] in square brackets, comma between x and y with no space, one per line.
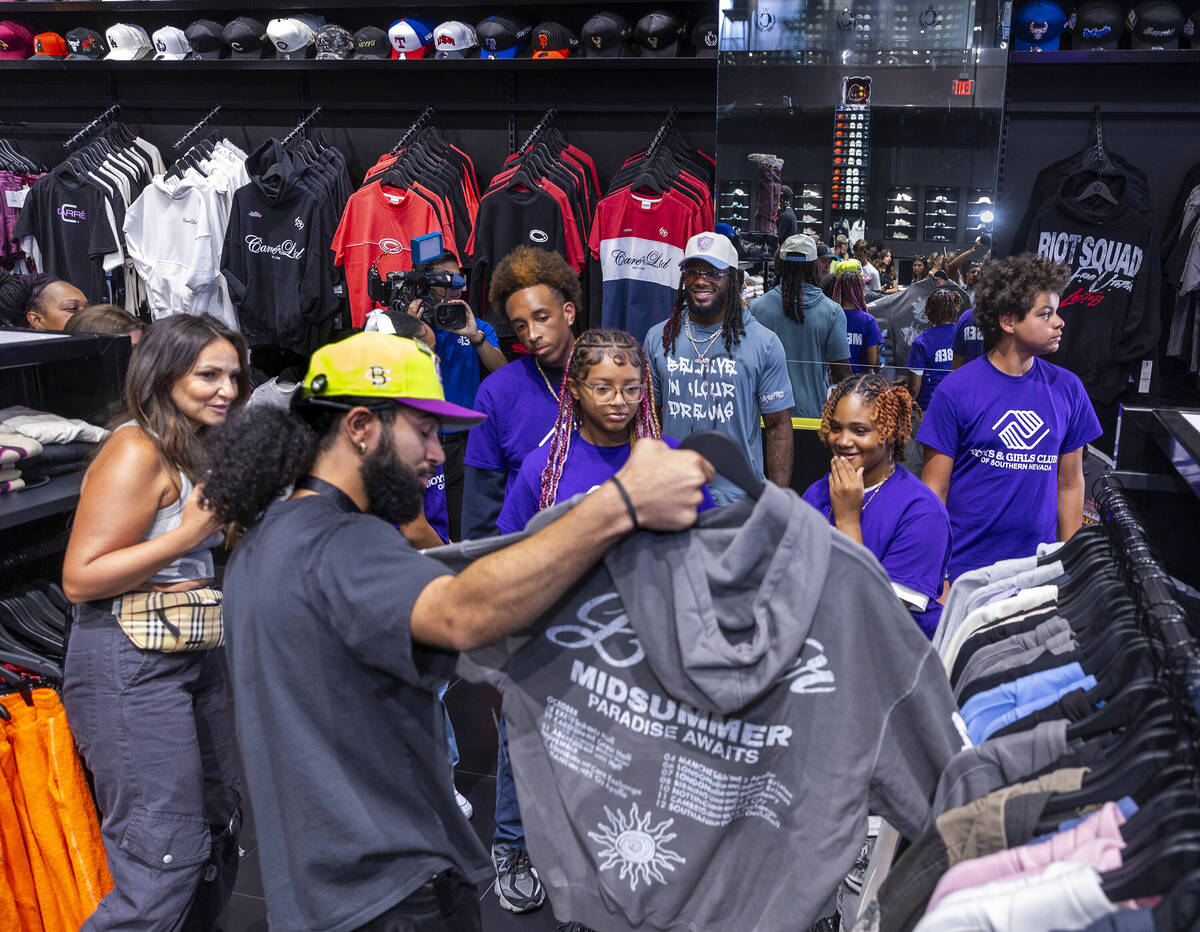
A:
[717,368]
[875,501]
[606,405]
[811,327]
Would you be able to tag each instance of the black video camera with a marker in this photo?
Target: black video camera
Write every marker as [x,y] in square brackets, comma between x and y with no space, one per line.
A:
[399,289]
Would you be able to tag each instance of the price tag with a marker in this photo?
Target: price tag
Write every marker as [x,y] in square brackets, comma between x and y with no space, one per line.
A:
[16,199]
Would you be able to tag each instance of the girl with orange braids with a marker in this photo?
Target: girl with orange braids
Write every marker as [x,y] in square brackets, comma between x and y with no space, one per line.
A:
[875,501]
[606,403]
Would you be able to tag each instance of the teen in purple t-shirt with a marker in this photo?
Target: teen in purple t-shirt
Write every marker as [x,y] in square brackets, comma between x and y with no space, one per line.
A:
[875,501]
[436,512]
[1004,434]
[538,292]
[968,339]
[607,393]
[931,353]
[862,330]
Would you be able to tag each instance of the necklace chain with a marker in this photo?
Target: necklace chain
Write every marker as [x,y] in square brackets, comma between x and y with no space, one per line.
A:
[546,379]
[701,355]
[877,488]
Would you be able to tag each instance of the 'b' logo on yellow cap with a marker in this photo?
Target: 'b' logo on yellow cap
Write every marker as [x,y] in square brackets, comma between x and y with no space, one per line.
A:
[377,375]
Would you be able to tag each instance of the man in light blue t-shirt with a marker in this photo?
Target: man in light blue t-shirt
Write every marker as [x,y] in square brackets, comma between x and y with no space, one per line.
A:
[811,327]
[717,368]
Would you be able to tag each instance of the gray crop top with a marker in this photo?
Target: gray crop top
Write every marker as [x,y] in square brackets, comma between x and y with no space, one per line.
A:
[187,567]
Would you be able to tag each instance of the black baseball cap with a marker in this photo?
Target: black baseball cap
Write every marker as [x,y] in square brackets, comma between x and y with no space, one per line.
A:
[606,35]
[706,37]
[334,43]
[501,37]
[1156,24]
[207,39]
[372,42]
[86,45]
[1097,24]
[552,40]
[247,39]
[657,34]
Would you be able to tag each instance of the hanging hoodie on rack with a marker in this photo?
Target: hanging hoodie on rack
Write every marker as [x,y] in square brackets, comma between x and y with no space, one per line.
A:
[1100,224]
[424,185]
[275,261]
[175,232]
[697,731]
[655,204]
[544,197]
[17,175]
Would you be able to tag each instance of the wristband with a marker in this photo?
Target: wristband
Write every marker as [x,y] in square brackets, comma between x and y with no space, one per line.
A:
[628,502]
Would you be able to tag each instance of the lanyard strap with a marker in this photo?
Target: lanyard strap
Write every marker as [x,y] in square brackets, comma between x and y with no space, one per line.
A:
[343,501]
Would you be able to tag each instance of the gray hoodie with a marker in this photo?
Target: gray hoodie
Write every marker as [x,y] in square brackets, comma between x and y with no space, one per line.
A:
[698,729]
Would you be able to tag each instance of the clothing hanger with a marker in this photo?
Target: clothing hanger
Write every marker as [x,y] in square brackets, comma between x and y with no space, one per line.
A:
[727,458]
[1178,910]
[1151,872]
[1144,696]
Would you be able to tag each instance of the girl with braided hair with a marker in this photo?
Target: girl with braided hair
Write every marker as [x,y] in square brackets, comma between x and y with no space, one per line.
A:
[932,352]
[875,501]
[606,404]
[862,331]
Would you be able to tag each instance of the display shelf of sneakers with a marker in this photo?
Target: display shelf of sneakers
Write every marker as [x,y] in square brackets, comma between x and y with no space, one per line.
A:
[808,203]
[979,200]
[900,219]
[941,215]
[851,159]
[733,203]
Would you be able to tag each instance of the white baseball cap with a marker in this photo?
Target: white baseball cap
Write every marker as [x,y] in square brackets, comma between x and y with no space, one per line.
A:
[171,44]
[454,39]
[127,42]
[799,248]
[291,36]
[713,248]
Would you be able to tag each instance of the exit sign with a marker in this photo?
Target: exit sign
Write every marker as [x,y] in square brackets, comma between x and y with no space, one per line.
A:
[963,87]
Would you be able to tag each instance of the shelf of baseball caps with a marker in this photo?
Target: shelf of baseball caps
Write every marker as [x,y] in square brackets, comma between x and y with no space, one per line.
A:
[361,31]
[1102,27]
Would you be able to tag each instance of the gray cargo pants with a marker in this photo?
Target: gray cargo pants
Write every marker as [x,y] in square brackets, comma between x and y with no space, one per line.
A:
[155,731]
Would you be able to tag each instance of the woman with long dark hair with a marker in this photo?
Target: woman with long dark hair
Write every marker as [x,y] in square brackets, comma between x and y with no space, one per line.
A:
[143,688]
[606,404]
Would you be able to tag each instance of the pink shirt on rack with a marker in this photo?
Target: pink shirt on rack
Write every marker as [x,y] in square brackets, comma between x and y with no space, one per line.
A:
[1096,840]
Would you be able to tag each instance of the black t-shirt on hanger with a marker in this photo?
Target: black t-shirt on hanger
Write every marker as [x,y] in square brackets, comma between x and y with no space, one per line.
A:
[68,218]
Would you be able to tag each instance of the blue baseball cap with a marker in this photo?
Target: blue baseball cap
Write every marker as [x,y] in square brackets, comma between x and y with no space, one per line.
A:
[1038,26]
[501,37]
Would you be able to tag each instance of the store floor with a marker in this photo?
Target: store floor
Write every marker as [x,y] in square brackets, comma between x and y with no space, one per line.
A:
[472,709]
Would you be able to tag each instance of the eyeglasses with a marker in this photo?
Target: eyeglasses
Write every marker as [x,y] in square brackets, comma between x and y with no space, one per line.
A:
[692,273]
[606,393]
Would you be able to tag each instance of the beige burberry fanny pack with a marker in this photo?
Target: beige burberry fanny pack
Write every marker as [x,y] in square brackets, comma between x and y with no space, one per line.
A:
[172,621]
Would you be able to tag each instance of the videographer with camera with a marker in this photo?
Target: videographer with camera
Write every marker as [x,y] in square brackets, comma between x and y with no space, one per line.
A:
[467,349]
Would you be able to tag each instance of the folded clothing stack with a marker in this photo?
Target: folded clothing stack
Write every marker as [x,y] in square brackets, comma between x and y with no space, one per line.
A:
[36,445]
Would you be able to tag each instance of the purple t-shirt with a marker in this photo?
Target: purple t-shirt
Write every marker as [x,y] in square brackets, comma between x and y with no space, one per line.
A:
[1005,434]
[862,332]
[521,411]
[930,357]
[968,338]
[905,525]
[436,512]
[586,467]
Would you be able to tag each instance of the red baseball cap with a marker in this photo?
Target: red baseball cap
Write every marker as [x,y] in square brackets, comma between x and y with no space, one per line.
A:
[16,41]
[50,45]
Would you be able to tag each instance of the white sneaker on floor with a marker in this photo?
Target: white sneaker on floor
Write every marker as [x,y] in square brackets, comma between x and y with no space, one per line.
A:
[464,804]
